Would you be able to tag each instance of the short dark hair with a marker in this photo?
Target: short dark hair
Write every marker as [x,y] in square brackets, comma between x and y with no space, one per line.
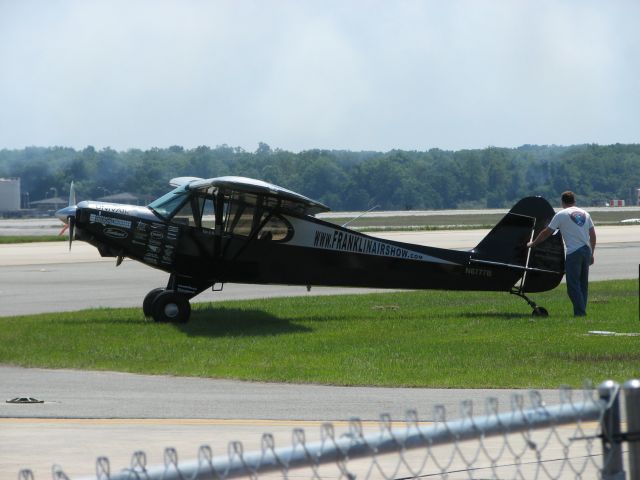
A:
[568,197]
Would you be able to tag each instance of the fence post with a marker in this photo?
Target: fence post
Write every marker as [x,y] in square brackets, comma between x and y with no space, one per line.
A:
[632,405]
[612,468]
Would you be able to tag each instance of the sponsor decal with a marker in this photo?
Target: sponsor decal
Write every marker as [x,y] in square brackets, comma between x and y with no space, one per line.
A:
[157,235]
[478,272]
[172,232]
[151,258]
[114,232]
[154,237]
[348,242]
[112,209]
[105,220]
[320,236]
[141,233]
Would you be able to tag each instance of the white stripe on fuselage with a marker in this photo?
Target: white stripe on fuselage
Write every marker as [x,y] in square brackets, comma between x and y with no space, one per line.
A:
[313,235]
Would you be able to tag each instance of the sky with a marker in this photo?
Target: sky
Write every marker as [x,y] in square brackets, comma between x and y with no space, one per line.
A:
[328,74]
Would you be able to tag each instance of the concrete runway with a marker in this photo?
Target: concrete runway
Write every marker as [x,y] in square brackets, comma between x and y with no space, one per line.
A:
[88,414]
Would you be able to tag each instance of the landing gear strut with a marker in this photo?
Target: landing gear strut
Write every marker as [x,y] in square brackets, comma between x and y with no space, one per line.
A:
[537,310]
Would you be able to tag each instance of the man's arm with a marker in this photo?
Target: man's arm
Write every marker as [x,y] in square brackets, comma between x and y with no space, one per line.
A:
[592,241]
[542,236]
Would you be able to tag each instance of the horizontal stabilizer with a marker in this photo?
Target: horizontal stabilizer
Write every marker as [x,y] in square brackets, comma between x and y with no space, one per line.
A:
[515,267]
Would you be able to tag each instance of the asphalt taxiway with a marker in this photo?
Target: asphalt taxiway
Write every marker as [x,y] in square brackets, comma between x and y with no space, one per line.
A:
[89,414]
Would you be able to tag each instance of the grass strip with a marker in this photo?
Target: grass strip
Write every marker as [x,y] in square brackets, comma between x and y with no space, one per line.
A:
[415,339]
[33,238]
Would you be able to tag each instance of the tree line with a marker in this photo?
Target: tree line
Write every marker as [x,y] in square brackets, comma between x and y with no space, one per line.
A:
[344,180]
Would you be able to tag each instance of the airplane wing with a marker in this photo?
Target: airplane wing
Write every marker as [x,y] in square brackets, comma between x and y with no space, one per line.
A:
[287,199]
[179,181]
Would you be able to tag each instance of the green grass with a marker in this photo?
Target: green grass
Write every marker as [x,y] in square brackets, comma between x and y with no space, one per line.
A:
[421,339]
[32,238]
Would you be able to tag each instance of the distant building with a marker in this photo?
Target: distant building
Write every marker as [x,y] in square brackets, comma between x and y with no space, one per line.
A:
[50,205]
[638,198]
[9,194]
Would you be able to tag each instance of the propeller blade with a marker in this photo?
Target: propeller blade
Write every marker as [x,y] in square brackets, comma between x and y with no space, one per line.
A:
[72,227]
[67,215]
[72,195]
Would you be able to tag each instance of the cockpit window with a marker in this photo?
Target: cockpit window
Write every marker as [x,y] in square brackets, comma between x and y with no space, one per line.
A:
[243,214]
[190,212]
[169,203]
[187,208]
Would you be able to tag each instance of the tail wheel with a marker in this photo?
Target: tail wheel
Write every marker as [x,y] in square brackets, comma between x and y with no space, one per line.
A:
[170,306]
[147,304]
[540,312]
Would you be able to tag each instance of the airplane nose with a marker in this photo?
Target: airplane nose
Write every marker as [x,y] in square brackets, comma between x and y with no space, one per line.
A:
[64,213]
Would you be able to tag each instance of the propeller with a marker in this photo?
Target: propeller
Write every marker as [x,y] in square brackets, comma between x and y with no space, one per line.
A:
[68,215]
[72,229]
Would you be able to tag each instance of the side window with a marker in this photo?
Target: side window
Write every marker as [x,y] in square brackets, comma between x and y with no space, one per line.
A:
[275,229]
[241,214]
[208,213]
[245,213]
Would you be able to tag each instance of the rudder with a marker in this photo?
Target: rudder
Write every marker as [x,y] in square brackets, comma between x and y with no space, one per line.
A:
[506,245]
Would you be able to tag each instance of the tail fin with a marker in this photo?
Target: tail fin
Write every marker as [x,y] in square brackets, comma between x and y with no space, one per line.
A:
[506,246]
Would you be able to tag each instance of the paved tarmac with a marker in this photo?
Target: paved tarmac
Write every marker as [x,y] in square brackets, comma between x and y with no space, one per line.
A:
[104,395]
[89,414]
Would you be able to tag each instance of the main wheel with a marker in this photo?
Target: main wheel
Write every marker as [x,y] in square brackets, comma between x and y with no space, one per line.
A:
[147,304]
[170,306]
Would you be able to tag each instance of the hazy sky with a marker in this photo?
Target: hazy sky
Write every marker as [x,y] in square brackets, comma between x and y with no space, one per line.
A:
[357,75]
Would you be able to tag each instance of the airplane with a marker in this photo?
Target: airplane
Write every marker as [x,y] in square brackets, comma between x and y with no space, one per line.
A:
[208,232]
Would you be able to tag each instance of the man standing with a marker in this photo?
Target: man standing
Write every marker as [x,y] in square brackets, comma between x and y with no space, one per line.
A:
[579,237]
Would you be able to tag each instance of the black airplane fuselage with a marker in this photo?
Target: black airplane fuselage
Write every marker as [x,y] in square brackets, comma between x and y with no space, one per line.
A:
[216,237]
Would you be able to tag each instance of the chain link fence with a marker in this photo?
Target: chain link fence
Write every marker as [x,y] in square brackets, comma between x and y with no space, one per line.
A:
[580,437]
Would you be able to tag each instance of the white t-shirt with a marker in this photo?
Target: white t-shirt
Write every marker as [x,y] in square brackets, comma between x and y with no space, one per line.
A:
[574,224]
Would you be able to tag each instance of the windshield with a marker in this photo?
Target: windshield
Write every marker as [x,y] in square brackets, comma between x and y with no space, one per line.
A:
[169,203]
